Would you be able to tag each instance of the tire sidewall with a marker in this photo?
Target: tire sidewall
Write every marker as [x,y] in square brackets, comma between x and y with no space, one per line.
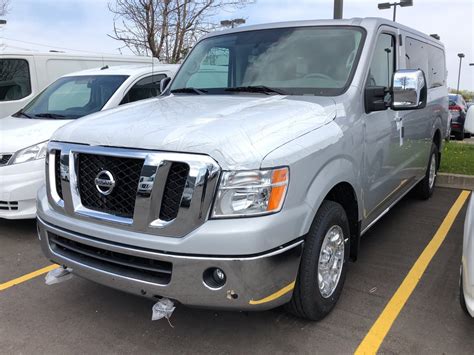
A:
[316,306]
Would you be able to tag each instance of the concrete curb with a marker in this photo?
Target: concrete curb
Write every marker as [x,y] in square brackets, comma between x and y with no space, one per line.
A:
[455,181]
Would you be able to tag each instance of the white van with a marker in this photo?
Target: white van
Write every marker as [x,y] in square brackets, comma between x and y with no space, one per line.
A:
[24,74]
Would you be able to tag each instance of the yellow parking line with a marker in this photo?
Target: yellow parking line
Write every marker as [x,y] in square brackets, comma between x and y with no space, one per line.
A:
[27,277]
[382,325]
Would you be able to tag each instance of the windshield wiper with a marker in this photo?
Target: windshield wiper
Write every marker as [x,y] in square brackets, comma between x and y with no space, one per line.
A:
[49,115]
[258,89]
[189,91]
[21,114]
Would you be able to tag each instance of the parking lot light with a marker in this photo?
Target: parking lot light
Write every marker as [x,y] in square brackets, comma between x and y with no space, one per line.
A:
[233,23]
[388,5]
[461,56]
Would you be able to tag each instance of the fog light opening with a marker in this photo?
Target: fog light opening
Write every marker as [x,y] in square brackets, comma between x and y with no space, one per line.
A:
[214,278]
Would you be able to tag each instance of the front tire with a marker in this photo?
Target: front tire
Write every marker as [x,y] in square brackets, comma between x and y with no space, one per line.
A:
[426,186]
[323,264]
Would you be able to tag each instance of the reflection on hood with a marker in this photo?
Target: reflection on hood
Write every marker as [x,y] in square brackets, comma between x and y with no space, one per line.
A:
[236,130]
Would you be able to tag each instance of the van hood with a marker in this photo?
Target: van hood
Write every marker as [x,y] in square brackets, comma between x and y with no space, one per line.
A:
[238,131]
[18,133]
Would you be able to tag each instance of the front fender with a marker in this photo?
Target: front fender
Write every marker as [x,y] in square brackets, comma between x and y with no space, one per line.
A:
[318,161]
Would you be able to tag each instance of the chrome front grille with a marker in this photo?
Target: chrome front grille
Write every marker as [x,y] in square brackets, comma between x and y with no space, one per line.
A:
[121,201]
[167,194]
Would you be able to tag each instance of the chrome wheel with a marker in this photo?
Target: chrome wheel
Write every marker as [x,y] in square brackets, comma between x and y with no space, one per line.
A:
[432,175]
[331,260]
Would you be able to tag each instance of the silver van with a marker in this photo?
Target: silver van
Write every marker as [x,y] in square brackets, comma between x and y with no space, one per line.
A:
[269,155]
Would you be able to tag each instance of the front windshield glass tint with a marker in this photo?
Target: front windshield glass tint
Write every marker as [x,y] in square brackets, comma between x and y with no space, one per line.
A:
[307,60]
[73,97]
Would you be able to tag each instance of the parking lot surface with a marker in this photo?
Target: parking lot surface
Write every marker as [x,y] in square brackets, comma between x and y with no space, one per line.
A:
[78,316]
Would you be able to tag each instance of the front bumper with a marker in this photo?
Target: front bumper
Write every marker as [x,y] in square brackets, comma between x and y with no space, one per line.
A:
[19,185]
[255,282]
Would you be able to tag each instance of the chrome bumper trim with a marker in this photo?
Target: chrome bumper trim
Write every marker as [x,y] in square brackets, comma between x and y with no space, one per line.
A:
[250,278]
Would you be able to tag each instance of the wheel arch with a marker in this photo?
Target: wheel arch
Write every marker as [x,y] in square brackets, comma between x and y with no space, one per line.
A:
[337,182]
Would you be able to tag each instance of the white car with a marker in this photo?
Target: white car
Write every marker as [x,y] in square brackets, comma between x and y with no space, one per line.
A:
[24,135]
[467,265]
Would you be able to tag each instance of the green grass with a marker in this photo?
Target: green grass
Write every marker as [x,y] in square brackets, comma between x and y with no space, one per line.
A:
[458,158]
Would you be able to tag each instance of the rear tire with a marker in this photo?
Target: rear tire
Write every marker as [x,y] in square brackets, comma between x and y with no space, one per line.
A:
[459,136]
[467,135]
[426,186]
[318,288]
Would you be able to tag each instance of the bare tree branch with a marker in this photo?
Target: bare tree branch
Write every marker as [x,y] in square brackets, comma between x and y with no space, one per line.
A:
[4,7]
[166,29]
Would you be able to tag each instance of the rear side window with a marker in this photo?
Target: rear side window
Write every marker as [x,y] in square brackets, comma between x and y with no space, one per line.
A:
[437,67]
[383,62]
[428,58]
[15,83]
[417,55]
[144,89]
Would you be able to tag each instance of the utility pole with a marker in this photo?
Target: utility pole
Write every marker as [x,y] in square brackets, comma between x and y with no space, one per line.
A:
[461,56]
[338,7]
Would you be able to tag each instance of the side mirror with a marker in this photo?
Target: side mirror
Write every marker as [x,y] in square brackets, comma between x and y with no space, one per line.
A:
[164,83]
[409,90]
[469,121]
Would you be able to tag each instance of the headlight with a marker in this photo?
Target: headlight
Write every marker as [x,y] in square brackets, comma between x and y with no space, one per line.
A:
[37,151]
[250,193]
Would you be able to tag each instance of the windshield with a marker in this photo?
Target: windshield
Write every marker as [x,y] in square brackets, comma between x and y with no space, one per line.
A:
[73,97]
[294,61]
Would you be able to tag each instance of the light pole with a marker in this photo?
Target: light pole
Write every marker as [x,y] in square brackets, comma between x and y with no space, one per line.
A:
[388,5]
[338,6]
[461,56]
[232,23]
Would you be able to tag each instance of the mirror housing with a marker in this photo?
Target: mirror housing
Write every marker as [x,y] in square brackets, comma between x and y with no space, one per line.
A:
[375,98]
[164,83]
[469,121]
[409,90]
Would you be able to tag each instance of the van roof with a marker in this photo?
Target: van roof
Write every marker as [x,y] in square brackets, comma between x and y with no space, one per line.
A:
[13,51]
[130,70]
[371,24]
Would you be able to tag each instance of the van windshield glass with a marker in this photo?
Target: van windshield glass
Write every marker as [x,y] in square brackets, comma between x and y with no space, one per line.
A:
[293,61]
[73,97]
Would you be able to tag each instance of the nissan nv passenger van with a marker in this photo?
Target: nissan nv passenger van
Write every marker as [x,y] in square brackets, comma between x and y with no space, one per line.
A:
[273,150]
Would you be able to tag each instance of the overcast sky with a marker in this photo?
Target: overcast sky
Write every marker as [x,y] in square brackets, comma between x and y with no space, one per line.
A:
[84,24]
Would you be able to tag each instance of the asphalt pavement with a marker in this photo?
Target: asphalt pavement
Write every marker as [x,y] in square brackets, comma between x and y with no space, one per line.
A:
[78,316]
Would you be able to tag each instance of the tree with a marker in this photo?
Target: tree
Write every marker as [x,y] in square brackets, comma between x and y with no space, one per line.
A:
[468,95]
[166,29]
[4,7]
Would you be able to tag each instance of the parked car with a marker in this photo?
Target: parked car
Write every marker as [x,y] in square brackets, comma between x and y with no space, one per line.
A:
[458,109]
[264,179]
[26,133]
[466,292]
[467,263]
[25,74]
